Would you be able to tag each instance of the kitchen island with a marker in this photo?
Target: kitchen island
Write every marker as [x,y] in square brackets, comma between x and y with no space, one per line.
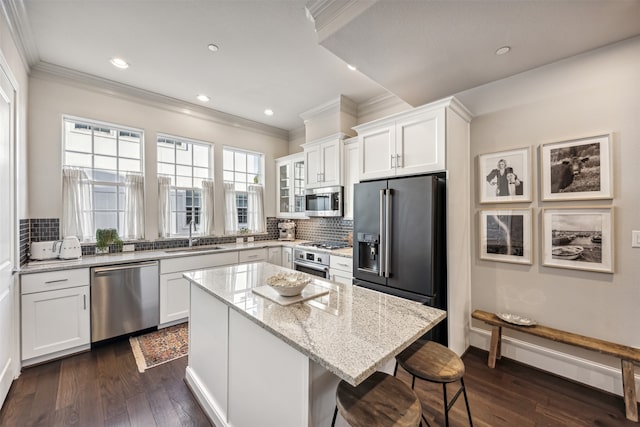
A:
[255,362]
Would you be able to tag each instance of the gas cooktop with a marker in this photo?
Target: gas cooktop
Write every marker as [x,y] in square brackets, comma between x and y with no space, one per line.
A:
[327,244]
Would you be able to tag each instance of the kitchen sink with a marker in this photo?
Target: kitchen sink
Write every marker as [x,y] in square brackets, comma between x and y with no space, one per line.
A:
[195,249]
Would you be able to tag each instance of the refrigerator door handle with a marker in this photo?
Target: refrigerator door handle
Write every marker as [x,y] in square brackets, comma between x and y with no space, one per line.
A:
[387,232]
[382,239]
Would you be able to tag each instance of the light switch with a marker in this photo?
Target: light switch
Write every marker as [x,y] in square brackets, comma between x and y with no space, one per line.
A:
[635,239]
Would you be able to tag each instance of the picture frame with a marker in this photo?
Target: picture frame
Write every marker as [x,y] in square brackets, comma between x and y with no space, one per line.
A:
[578,238]
[577,169]
[506,235]
[505,176]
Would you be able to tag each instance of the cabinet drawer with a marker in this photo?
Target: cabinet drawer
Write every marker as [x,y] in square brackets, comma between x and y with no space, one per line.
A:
[196,262]
[253,255]
[52,280]
[341,263]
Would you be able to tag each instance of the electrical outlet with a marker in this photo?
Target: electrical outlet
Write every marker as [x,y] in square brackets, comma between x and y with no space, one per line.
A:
[239,240]
[128,248]
[250,239]
[635,239]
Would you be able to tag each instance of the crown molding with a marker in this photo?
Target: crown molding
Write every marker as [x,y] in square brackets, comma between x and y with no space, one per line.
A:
[382,102]
[329,16]
[20,29]
[340,104]
[51,72]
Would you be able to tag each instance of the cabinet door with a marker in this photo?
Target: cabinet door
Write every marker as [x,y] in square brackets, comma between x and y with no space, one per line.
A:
[253,255]
[331,170]
[377,153]
[350,159]
[313,165]
[54,321]
[420,143]
[275,256]
[174,298]
[298,187]
[340,277]
[284,180]
[287,258]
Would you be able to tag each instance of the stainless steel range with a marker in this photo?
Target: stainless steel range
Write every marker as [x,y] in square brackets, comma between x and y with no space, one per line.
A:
[315,262]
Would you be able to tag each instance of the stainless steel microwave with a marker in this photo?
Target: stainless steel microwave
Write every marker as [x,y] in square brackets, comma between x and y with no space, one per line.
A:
[325,201]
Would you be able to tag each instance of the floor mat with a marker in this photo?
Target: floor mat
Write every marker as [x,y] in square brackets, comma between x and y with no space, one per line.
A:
[161,346]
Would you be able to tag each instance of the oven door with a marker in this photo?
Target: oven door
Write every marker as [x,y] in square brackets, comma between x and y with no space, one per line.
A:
[312,268]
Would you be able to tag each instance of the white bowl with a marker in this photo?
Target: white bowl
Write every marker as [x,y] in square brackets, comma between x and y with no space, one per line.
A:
[288,284]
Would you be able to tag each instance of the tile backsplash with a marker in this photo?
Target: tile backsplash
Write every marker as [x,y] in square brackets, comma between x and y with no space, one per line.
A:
[334,228]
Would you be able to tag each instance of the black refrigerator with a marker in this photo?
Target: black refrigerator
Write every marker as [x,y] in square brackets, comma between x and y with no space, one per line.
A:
[399,247]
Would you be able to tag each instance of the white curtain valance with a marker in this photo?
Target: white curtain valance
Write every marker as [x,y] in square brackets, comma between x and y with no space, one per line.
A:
[164,206]
[208,198]
[77,205]
[230,209]
[133,207]
[256,221]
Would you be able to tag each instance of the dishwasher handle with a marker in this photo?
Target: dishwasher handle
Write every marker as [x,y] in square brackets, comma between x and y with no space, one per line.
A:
[119,267]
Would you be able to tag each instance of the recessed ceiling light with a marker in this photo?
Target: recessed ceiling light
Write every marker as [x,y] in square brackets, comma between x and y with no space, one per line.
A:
[203,98]
[213,47]
[351,67]
[268,112]
[120,63]
[503,50]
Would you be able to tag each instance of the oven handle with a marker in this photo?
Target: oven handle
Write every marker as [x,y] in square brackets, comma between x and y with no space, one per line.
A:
[312,266]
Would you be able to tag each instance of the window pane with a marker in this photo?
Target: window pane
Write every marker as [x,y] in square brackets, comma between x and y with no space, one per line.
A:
[183,155]
[240,177]
[201,173]
[201,155]
[166,169]
[227,160]
[253,179]
[253,163]
[129,165]
[241,187]
[78,140]
[184,182]
[166,154]
[76,159]
[102,162]
[105,175]
[227,176]
[240,161]
[129,149]
[184,170]
[104,142]
[106,219]
[104,197]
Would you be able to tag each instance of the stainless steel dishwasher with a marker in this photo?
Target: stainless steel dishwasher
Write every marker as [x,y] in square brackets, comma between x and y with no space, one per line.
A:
[124,298]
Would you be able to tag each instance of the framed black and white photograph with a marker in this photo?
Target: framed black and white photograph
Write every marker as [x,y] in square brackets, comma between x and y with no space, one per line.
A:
[578,169]
[505,176]
[578,238]
[505,235]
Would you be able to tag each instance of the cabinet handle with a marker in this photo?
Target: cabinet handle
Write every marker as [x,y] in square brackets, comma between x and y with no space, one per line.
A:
[398,164]
[84,297]
[252,256]
[343,265]
[392,159]
[48,282]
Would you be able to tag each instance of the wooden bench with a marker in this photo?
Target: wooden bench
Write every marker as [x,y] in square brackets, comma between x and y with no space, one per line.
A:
[628,355]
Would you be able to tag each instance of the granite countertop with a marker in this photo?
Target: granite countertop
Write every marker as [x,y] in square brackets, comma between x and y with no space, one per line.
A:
[352,331]
[127,257]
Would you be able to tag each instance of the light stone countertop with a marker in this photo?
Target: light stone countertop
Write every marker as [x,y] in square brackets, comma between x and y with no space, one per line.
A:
[352,331]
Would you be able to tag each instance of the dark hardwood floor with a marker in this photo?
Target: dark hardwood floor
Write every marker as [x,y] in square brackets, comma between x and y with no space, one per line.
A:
[104,388]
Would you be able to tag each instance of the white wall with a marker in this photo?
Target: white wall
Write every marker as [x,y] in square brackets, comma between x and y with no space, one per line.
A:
[51,96]
[585,95]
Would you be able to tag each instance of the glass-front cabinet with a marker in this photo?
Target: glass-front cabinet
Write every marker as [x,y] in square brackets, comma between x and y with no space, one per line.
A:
[290,181]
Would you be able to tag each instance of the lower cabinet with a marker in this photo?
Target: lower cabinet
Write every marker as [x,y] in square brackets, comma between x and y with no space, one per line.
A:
[55,314]
[254,255]
[174,289]
[341,269]
[275,255]
[287,257]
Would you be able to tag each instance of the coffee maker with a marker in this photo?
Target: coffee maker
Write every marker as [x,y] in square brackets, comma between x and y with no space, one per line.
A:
[287,230]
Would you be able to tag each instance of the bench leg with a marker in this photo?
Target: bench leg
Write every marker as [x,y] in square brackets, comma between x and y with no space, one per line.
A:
[629,390]
[494,349]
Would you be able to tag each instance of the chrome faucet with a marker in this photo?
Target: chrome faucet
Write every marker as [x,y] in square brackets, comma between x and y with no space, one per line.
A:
[191,239]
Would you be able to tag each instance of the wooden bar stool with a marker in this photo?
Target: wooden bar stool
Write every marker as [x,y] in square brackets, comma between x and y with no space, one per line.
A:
[433,362]
[379,401]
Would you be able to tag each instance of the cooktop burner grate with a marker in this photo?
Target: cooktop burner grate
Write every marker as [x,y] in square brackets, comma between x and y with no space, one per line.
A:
[328,244]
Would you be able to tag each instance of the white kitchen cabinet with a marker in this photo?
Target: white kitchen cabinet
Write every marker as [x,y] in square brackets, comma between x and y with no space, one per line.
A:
[55,314]
[174,289]
[341,269]
[407,143]
[275,255]
[323,162]
[254,255]
[287,257]
[290,176]
[350,161]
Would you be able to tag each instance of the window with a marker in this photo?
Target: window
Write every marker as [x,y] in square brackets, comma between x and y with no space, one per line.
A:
[242,168]
[187,163]
[106,154]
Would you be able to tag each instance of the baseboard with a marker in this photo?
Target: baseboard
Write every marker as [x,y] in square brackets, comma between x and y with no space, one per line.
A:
[565,365]
[203,398]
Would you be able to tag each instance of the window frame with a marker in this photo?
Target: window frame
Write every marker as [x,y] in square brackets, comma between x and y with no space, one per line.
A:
[196,193]
[243,210]
[118,184]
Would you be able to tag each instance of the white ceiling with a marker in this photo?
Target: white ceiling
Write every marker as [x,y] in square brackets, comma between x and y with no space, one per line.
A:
[269,54]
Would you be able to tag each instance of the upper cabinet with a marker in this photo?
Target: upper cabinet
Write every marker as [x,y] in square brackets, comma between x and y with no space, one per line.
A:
[323,161]
[290,176]
[350,160]
[407,143]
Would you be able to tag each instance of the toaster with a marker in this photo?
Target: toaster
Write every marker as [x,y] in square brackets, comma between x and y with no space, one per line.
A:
[70,248]
[45,250]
